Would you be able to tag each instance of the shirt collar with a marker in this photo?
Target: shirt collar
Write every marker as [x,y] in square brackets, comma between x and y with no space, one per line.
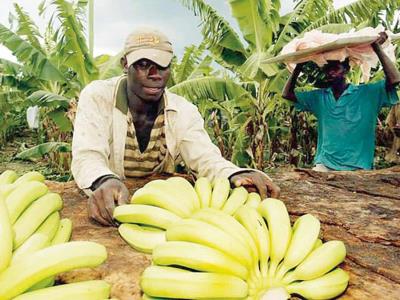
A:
[350,89]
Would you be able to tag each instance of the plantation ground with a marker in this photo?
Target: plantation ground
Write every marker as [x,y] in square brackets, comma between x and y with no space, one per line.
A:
[360,208]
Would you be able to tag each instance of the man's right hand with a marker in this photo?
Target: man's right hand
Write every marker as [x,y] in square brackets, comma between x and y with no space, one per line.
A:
[102,202]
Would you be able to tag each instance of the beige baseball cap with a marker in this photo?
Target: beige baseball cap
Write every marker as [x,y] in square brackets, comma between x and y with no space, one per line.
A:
[148,43]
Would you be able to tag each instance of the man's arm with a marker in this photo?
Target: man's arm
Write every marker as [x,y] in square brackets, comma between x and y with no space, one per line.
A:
[203,157]
[90,151]
[288,91]
[391,72]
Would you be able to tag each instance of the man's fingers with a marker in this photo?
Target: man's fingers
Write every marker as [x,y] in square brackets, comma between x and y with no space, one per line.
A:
[100,202]
[261,187]
[275,190]
[94,212]
[242,181]
[123,196]
[109,205]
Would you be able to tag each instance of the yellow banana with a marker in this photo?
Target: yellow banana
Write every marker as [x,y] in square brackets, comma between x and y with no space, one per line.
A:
[255,225]
[63,233]
[20,198]
[35,215]
[237,198]
[204,190]
[318,262]
[7,177]
[141,238]
[186,189]
[152,195]
[145,214]
[50,226]
[304,236]
[197,257]
[253,200]
[280,231]
[48,262]
[6,189]
[229,225]
[318,243]
[85,290]
[196,231]
[169,282]
[220,192]
[326,287]
[34,243]
[6,234]
[30,176]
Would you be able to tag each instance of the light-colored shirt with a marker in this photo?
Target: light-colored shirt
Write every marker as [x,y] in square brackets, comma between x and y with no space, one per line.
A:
[346,126]
[100,127]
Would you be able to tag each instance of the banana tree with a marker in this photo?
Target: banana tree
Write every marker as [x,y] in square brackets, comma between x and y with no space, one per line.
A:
[263,33]
[53,66]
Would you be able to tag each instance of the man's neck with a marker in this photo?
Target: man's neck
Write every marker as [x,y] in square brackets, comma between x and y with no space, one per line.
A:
[139,106]
[338,87]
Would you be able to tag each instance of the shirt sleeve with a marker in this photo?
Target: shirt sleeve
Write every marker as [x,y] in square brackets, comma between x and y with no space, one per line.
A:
[385,97]
[308,101]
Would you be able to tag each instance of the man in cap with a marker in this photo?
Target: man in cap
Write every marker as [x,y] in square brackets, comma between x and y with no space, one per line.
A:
[347,114]
[131,126]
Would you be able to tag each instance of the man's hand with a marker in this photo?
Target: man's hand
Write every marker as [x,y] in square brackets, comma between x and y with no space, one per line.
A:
[396,130]
[102,202]
[381,39]
[261,183]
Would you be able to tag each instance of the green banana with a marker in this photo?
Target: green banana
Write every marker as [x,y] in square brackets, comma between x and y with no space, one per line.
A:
[30,176]
[326,287]
[280,231]
[7,177]
[255,225]
[50,226]
[186,189]
[85,290]
[145,214]
[34,243]
[35,215]
[237,198]
[220,192]
[253,200]
[45,283]
[228,224]
[20,198]
[196,231]
[197,257]
[152,195]
[304,236]
[318,262]
[6,234]
[141,238]
[170,282]
[49,262]
[204,190]
[63,233]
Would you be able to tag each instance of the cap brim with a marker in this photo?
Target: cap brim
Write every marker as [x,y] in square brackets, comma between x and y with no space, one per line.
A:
[160,57]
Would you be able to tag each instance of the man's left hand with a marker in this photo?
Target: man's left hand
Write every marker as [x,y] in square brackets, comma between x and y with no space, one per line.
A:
[381,39]
[254,180]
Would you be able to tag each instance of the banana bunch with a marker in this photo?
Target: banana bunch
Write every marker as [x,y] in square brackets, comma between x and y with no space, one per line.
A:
[253,254]
[34,245]
[161,203]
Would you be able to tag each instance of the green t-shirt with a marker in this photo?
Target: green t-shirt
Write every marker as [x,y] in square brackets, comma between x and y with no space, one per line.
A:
[346,127]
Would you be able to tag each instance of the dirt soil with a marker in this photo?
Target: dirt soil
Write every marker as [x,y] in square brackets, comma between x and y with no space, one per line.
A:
[360,208]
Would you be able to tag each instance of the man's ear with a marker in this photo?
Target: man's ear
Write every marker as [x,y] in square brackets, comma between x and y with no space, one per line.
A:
[124,63]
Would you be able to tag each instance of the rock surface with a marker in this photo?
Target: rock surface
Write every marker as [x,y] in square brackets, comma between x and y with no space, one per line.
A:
[360,208]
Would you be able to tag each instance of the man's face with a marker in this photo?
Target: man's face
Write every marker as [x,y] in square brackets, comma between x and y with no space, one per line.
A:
[335,71]
[148,80]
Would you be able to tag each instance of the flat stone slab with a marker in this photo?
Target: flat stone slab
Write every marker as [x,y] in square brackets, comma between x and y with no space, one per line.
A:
[360,208]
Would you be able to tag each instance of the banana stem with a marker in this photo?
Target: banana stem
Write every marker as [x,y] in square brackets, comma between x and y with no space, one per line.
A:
[277,293]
